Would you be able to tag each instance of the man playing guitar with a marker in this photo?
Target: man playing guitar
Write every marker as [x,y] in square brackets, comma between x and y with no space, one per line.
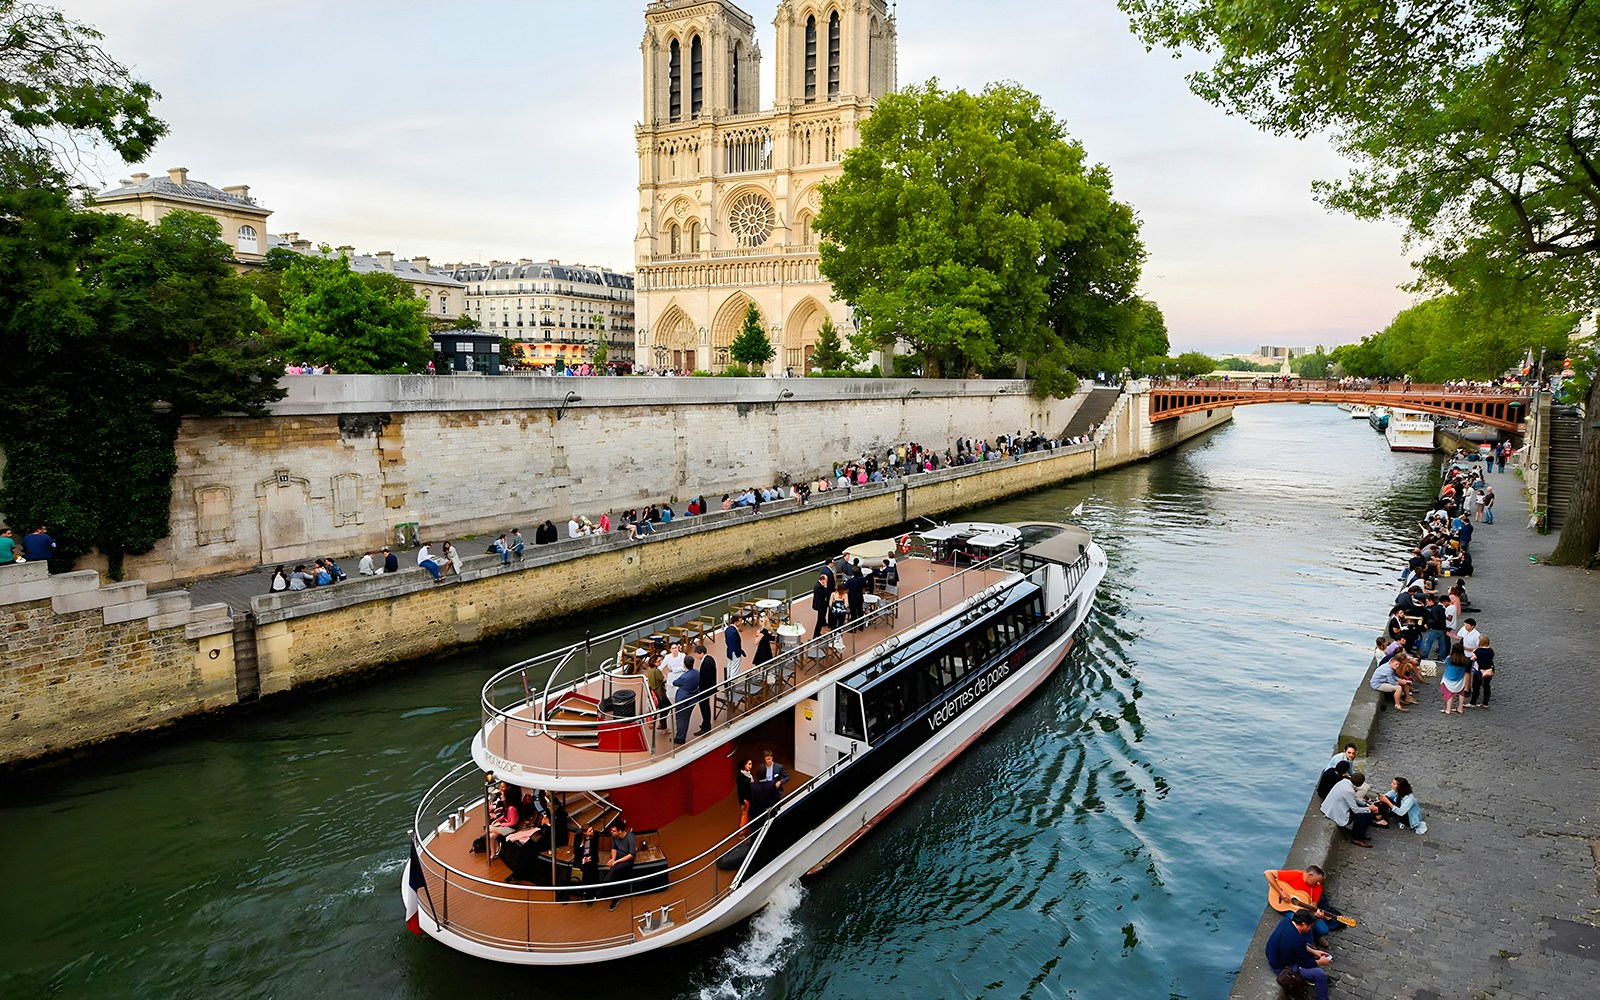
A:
[1288,889]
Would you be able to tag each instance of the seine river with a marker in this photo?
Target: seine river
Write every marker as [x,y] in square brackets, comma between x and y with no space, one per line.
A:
[1105,842]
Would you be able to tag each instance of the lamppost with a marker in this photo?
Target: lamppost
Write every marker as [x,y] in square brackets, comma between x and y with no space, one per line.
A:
[661,357]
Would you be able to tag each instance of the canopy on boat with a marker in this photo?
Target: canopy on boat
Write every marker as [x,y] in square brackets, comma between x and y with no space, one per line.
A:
[876,550]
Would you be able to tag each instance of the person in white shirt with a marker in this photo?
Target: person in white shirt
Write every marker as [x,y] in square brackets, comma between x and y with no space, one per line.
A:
[365,567]
[573,528]
[673,665]
[1469,635]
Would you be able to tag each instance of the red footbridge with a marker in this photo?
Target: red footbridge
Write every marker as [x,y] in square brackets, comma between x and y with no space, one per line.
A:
[1503,408]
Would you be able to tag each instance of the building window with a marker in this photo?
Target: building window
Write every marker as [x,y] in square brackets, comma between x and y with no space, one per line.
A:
[734,96]
[247,242]
[811,60]
[751,220]
[833,56]
[696,78]
[694,241]
[674,240]
[674,83]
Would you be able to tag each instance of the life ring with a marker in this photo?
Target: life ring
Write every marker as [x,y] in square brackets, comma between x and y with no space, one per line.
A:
[905,545]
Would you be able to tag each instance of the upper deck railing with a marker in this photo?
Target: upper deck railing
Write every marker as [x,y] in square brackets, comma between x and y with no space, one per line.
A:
[517,700]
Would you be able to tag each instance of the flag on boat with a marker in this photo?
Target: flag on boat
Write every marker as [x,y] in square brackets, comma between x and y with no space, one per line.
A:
[414,882]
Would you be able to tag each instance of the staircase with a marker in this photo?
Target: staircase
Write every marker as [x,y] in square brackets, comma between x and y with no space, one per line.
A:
[584,808]
[1565,437]
[1092,411]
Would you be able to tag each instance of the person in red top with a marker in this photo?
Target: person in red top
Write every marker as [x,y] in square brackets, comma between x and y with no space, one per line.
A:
[1298,888]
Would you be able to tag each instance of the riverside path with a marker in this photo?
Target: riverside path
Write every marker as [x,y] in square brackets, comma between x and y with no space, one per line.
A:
[1499,898]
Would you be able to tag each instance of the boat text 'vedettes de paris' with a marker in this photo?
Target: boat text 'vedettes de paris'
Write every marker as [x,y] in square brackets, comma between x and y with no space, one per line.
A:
[920,646]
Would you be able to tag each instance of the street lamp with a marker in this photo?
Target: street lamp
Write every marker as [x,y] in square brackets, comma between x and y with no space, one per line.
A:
[785,394]
[572,397]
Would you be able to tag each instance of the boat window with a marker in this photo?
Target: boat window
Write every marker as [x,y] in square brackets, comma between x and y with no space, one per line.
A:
[847,721]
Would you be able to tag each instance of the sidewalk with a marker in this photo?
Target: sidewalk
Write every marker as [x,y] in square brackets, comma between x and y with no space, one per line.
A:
[1499,898]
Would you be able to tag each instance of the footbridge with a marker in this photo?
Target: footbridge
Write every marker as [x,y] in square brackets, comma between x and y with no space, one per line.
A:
[1505,408]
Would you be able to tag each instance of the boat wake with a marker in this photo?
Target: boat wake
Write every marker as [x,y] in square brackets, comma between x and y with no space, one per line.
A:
[745,967]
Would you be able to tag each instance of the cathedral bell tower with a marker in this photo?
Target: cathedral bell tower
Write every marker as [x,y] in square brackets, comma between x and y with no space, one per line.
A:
[700,59]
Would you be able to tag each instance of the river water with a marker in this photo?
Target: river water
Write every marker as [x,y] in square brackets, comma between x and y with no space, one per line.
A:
[1107,840]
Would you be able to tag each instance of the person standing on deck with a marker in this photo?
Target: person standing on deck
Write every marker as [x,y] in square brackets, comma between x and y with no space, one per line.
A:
[708,682]
[735,644]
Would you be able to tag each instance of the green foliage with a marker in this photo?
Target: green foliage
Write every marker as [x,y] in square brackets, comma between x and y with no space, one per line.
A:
[360,324]
[601,353]
[1455,337]
[751,347]
[1189,364]
[907,366]
[830,354]
[969,228]
[1242,365]
[111,330]
[1313,365]
[58,89]
[1472,122]
[738,370]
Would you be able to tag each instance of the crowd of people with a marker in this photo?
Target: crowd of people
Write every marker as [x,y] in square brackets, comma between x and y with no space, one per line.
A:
[1432,632]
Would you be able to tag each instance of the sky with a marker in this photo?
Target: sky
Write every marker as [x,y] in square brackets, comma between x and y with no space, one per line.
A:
[477,130]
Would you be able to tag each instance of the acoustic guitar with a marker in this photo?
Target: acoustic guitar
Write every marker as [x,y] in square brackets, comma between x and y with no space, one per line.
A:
[1288,903]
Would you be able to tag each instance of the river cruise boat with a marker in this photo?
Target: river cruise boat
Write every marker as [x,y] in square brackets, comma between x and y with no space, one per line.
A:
[1409,431]
[1378,417]
[1360,411]
[859,718]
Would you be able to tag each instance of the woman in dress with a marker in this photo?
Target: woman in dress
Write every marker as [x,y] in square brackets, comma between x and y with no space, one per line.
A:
[838,607]
[657,683]
[746,779]
[1457,679]
[763,649]
[451,559]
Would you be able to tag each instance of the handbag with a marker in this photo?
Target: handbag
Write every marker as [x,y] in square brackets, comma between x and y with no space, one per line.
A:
[1290,979]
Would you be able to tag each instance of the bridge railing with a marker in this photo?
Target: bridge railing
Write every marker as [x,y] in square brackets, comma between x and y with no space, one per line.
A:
[1279,383]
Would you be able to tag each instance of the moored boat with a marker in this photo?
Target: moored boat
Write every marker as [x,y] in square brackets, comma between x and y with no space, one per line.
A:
[857,718]
[1409,431]
[1361,411]
[1378,418]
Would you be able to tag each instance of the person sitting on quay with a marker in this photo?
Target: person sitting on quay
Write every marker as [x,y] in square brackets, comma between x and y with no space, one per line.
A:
[1386,681]
[1334,773]
[574,528]
[1482,672]
[545,533]
[502,548]
[300,579]
[517,544]
[1304,889]
[426,561]
[280,580]
[322,575]
[1400,805]
[367,566]
[1347,812]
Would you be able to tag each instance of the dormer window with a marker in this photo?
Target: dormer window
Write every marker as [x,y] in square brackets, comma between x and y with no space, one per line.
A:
[247,242]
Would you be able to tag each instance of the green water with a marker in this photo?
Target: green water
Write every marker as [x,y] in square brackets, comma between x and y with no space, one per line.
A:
[1105,841]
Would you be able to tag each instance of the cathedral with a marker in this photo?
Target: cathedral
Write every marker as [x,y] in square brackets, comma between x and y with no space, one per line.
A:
[727,191]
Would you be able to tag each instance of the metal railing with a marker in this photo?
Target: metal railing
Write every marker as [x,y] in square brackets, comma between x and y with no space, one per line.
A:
[466,904]
[760,687]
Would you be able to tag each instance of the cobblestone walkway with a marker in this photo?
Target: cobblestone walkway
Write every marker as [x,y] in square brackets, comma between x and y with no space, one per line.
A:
[1499,898]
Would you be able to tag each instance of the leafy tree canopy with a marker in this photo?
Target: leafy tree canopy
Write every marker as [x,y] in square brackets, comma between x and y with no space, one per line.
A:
[751,346]
[1313,365]
[112,329]
[1189,364]
[358,323]
[1453,337]
[1473,122]
[60,92]
[969,227]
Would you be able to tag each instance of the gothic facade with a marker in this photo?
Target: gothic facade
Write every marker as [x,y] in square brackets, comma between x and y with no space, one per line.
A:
[727,191]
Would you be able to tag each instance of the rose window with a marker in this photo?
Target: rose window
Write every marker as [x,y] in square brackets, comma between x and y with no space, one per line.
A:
[751,220]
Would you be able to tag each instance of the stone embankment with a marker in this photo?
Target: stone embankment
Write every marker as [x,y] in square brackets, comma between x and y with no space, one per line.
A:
[1499,899]
[77,673]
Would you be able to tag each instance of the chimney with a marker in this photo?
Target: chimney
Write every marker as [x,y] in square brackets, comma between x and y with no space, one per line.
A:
[523,261]
[347,250]
[238,191]
[179,175]
[300,245]
[385,259]
[140,178]
[552,260]
[290,238]
[420,263]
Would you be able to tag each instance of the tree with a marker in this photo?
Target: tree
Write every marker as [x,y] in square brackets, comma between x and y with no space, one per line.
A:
[112,330]
[751,346]
[1313,365]
[1475,123]
[970,228]
[1455,336]
[830,354]
[359,324]
[59,91]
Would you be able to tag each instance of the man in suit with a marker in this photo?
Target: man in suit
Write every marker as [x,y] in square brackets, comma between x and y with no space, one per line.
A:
[687,683]
[820,595]
[708,681]
[773,774]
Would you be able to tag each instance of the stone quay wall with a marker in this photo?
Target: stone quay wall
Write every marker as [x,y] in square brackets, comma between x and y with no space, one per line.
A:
[84,662]
[343,460]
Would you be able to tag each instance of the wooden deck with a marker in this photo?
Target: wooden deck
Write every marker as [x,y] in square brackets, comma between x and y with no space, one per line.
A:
[926,589]
[468,893]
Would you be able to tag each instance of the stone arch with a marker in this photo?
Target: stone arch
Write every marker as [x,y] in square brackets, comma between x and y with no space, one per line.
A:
[800,334]
[674,341]
[729,321]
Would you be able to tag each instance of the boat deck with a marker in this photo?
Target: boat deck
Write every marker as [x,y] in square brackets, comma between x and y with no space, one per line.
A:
[574,739]
[469,893]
